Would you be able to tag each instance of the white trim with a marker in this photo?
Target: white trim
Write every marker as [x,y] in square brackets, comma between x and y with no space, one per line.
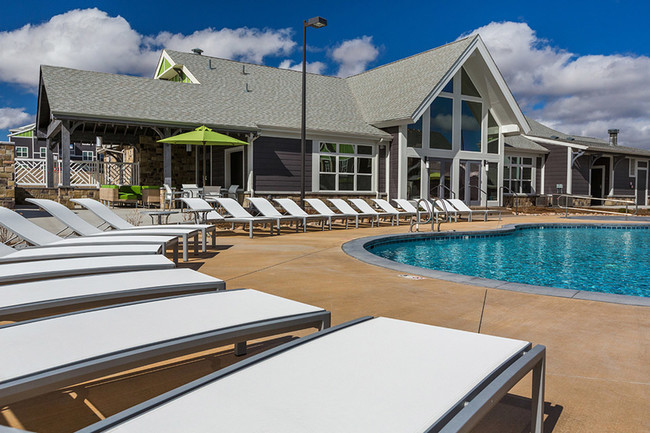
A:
[402,161]
[569,173]
[632,167]
[611,175]
[542,179]
[555,142]
[227,163]
[374,174]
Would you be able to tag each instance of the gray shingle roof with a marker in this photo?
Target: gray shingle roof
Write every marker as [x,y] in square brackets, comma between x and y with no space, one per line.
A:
[519,142]
[381,99]
[593,144]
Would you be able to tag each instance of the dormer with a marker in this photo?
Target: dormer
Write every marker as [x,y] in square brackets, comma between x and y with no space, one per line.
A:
[170,71]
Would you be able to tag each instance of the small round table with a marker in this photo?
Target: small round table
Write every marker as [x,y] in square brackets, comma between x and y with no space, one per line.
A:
[160,214]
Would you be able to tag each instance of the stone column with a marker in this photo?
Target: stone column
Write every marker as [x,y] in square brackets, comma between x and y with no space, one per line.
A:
[65,153]
[7,183]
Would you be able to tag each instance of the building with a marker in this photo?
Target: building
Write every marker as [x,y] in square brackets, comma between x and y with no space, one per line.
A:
[27,146]
[439,123]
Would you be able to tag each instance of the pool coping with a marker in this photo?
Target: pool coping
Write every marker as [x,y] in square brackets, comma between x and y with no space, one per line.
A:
[356,248]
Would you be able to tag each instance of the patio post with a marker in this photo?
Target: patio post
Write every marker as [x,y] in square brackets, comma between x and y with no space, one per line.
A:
[49,164]
[65,154]
[167,163]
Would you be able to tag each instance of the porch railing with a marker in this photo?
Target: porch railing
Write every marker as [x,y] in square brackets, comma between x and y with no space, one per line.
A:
[33,172]
[568,204]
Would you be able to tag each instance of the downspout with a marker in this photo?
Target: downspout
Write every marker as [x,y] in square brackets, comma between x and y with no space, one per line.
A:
[249,183]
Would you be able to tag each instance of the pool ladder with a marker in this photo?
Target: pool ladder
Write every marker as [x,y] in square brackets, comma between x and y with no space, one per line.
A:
[432,216]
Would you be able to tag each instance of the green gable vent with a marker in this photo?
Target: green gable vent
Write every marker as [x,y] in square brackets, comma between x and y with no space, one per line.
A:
[164,66]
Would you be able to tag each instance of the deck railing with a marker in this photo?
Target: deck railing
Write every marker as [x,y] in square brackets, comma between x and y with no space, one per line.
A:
[568,204]
[33,172]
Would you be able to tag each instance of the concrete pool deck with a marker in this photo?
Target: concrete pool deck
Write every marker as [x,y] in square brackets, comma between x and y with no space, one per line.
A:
[598,357]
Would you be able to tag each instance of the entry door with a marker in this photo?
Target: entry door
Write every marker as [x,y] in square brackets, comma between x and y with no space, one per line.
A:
[235,167]
[597,185]
[440,178]
[641,184]
[470,182]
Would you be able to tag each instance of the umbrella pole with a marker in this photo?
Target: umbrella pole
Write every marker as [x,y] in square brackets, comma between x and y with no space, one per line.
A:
[204,176]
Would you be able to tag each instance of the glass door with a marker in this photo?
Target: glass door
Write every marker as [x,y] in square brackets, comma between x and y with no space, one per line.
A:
[470,182]
[440,178]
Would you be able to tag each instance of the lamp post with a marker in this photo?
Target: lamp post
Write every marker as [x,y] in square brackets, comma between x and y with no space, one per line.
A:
[316,22]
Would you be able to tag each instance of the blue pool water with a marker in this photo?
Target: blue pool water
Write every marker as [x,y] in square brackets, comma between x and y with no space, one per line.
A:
[582,258]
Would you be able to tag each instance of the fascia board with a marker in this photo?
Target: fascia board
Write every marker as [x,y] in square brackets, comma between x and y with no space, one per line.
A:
[556,142]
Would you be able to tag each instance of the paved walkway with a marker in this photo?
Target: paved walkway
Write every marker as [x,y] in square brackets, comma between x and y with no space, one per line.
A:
[598,360]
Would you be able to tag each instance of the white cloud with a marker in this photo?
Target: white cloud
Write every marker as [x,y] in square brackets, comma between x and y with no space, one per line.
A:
[91,39]
[312,67]
[14,117]
[354,55]
[581,95]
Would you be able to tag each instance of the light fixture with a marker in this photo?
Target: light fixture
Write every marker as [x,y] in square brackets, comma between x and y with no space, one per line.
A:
[315,22]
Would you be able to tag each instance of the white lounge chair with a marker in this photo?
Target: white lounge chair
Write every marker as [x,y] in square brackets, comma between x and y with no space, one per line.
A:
[83,228]
[389,208]
[235,210]
[461,207]
[171,195]
[50,353]
[267,209]
[446,207]
[293,209]
[204,212]
[119,223]
[371,375]
[32,254]
[364,207]
[191,190]
[319,206]
[36,235]
[48,269]
[343,207]
[35,296]
[409,207]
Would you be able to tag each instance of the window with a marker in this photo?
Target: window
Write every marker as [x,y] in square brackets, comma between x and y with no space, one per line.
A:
[493,135]
[414,134]
[440,126]
[492,180]
[414,176]
[518,175]
[22,152]
[87,155]
[345,167]
[43,152]
[466,85]
[470,138]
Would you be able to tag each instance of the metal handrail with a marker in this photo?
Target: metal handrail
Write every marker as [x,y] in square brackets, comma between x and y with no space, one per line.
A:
[442,185]
[515,197]
[482,192]
[430,219]
[571,196]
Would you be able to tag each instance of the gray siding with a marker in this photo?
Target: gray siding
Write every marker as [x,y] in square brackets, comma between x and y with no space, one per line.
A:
[276,164]
[580,173]
[382,170]
[622,178]
[555,168]
[394,162]
[538,176]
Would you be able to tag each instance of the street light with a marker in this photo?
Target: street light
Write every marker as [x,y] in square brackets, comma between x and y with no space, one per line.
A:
[316,22]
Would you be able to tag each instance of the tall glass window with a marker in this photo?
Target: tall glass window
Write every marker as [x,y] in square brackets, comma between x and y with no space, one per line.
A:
[345,167]
[440,129]
[414,175]
[492,135]
[414,134]
[492,181]
[466,85]
[471,126]
[518,175]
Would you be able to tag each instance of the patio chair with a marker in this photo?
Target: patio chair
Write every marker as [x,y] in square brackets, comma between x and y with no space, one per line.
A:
[389,208]
[232,192]
[461,207]
[35,296]
[445,207]
[204,212]
[36,235]
[343,207]
[267,209]
[191,190]
[319,206]
[118,223]
[293,209]
[364,207]
[370,375]
[171,195]
[56,268]
[235,210]
[32,254]
[75,223]
[53,352]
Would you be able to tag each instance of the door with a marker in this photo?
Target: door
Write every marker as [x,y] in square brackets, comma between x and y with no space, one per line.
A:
[597,185]
[641,184]
[234,167]
[440,178]
[470,182]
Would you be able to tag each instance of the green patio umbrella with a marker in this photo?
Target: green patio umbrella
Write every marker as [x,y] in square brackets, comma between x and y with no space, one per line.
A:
[203,136]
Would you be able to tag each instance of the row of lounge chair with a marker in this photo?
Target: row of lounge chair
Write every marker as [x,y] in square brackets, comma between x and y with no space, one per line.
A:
[371,374]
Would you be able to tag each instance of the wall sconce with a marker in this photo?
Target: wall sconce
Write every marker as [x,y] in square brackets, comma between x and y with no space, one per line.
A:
[188,148]
[426,162]
[487,166]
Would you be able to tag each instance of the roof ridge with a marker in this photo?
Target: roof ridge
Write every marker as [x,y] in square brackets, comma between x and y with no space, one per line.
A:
[415,55]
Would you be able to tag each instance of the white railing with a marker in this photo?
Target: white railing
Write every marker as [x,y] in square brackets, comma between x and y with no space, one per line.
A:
[33,172]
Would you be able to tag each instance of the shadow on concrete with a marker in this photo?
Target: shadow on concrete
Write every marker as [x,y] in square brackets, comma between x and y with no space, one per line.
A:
[512,415]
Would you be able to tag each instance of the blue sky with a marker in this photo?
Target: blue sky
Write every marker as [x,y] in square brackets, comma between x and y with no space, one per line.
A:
[581,67]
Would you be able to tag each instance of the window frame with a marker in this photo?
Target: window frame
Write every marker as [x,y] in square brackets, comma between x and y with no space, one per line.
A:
[508,180]
[86,152]
[20,149]
[336,169]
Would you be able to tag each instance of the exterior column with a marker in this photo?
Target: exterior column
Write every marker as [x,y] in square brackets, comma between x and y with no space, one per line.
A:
[49,164]
[569,171]
[167,163]
[65,154]
[249,153]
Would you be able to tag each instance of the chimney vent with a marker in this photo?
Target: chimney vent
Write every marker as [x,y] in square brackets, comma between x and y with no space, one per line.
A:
[197,51]
[613,136]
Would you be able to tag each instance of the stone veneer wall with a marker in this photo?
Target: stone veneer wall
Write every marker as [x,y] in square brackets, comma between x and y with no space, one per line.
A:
[60,194]
[7,180]
[150,156]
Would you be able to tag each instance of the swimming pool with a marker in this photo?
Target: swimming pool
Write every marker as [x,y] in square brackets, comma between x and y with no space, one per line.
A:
[595,258]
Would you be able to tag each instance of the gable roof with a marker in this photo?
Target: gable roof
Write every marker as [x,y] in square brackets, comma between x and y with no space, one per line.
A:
[393,92]
[519,142]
